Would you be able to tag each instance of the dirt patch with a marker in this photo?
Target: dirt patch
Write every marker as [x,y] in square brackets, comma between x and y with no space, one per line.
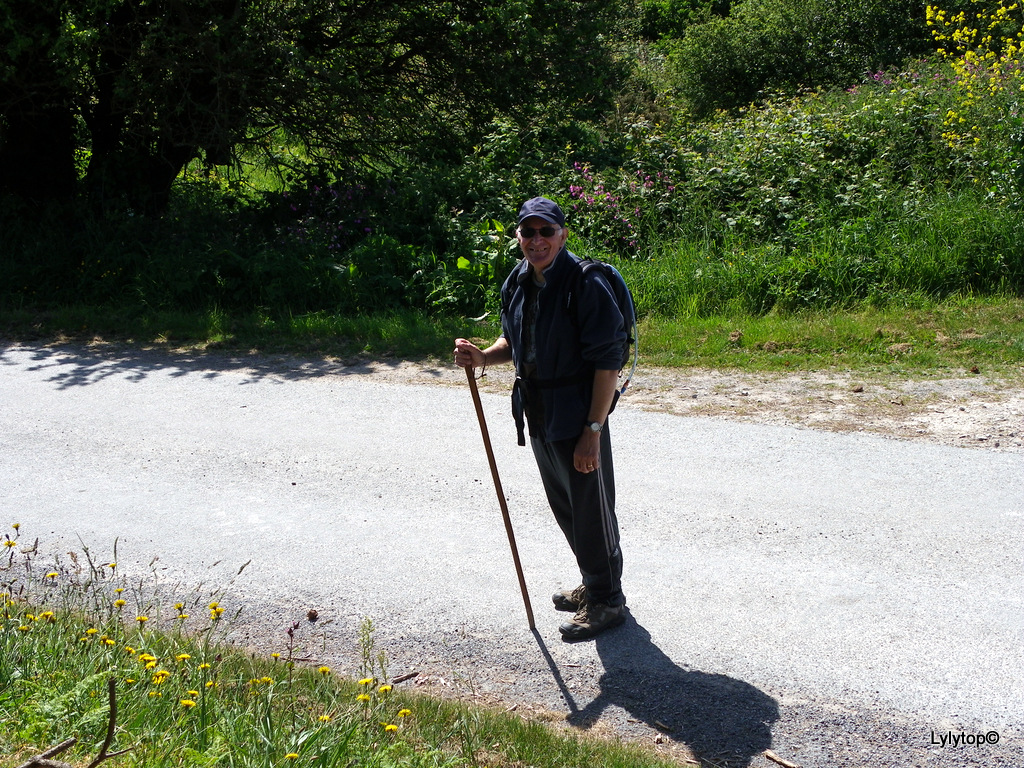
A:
[970,410]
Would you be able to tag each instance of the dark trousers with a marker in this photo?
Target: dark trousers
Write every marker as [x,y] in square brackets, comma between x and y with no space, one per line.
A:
[584,507]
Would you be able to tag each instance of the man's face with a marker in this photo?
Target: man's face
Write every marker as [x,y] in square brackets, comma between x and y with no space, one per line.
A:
[540,251]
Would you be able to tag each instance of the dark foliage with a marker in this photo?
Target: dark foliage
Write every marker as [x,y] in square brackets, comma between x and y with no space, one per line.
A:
[112,98]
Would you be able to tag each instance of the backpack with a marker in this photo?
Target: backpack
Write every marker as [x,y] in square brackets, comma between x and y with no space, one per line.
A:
[624,299]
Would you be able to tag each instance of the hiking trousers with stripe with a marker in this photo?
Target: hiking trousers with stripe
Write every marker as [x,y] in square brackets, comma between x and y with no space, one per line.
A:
[584,507]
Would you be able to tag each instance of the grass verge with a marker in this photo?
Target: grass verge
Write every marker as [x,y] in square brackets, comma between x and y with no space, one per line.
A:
[957,336]
[78,638]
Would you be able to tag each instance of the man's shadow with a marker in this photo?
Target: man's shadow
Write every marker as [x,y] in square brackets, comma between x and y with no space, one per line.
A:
[723,721]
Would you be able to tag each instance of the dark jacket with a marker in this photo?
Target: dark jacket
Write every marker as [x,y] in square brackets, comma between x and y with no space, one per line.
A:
[571,345]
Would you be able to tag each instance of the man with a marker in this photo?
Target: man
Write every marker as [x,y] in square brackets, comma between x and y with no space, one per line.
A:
[567,360]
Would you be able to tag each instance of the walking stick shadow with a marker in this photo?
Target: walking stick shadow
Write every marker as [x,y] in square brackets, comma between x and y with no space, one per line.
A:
[723,721]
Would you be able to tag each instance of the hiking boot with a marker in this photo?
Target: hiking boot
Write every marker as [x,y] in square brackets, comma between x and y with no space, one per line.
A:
[591,619]
[570,599]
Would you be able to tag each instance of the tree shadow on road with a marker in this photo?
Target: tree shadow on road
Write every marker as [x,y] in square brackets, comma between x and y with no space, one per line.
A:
[721,720]
[74,365]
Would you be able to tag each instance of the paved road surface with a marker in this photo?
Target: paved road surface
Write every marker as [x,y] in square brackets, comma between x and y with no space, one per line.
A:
[842,600]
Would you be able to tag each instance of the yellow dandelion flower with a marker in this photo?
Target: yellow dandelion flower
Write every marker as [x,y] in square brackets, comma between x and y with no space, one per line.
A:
[51,575]
[292,756]
[142,619]
[16,526]
[192,693]
[24,628]
[182,657]
[119,603]
[155,694]
[388,727]
[213,606]
[187,703]
[204,665]
[404,712]
[119,590]
[108,641]
[362,697]
[210,684]
[366,681]
[46,615]
[130,680]
[384,689]
[275,655]
[325,670]
[179,606]
[150,665]
[111,565]
[325,718]
[92,631]
[10,543]
[267,680]
[182,616]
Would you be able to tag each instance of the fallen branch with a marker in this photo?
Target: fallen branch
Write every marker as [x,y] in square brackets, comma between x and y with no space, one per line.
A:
[776,759]
[43,759]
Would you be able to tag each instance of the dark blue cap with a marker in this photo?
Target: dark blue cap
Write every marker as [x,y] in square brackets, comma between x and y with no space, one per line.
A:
[543,208]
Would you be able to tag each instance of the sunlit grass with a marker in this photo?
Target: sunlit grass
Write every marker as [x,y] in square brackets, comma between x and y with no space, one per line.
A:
[954,336]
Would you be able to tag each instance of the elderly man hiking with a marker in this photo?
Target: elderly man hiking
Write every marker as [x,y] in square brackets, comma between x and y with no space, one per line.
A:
[567,353]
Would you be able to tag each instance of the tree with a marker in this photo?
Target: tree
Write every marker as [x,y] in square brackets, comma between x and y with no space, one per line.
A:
[110,99]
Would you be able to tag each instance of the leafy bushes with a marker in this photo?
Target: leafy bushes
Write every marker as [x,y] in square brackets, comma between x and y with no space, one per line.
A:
[908,181]
[782,45]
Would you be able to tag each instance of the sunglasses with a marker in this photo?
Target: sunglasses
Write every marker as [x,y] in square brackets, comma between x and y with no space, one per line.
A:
[529,232]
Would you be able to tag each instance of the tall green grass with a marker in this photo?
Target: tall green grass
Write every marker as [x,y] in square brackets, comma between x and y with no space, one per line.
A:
[955,246]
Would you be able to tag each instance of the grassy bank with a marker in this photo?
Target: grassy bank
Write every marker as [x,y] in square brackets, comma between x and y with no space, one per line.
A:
[922,338]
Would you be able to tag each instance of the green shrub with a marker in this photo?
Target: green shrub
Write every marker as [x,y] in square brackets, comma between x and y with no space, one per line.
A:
[783,45]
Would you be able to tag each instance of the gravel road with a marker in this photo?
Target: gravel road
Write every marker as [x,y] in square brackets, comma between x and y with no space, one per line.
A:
[839,598]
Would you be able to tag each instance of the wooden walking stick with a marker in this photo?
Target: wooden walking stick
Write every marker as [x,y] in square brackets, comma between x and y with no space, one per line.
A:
[501,494]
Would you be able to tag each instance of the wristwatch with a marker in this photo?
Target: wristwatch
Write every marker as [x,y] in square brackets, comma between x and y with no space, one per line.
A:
[595,426]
